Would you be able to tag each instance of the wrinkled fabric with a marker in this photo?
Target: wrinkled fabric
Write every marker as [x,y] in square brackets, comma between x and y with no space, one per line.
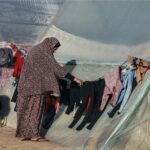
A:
[6,57]
[142,67]
[131,78]
[29,114]
[140,73]
[18,64]
[5,76]
[113,86]
[40,72]
[128,81]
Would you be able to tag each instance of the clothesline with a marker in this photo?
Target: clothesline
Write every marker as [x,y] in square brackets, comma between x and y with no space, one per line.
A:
[111,89]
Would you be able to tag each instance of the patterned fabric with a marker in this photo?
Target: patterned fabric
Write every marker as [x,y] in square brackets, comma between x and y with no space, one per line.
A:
[113,86]
[140,73]
[142,67]
[5,77]
[29,114]
[40,72]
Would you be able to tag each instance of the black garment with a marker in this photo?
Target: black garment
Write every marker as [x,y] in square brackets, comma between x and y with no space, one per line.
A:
[112,113]
[0,106]
[49,119]
[64,92]
[74,97]
[70,94]
[15,95]
[149,65]
[69,76]
[97,115]
[86,90]
[98,90]
[93,114]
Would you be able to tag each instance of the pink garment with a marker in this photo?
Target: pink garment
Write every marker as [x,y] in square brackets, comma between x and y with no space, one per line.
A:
[113,86]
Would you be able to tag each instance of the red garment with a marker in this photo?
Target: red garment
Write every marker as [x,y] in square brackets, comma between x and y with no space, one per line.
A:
[18,65]
[89,102]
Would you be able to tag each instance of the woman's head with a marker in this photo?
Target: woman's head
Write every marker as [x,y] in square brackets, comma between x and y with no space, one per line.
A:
[52,43]
[56,47]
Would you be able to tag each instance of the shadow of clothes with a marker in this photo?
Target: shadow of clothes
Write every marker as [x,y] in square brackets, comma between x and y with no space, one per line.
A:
[4,109]
[70,65]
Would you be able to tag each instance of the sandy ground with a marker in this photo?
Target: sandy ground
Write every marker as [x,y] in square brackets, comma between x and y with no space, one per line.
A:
[9,142]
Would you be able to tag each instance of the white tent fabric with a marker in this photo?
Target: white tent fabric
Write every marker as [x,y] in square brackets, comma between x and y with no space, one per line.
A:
[123,132]
[86,51]
[93,33]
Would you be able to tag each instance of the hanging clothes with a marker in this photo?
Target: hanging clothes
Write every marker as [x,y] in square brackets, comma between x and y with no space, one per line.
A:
[91,95]
[6,57]
[93,103]
[50,110]
[128,81]
[113,85]
[94,113]
[74,97]
[49,118]
[18,65]
[19,60]
[131,78]
[142,67]
[64,91]
[86,92]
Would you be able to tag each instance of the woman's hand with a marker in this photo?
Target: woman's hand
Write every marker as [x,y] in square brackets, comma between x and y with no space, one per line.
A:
[78,81]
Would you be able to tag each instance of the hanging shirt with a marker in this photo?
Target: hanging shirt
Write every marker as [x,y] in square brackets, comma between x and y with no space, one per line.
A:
[18,65]
[113,86]
[131,76]
[128,78]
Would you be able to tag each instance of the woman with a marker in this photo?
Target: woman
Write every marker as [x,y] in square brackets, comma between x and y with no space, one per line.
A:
[39,76]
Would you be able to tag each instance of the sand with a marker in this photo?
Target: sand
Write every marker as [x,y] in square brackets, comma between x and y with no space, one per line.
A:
[9,142]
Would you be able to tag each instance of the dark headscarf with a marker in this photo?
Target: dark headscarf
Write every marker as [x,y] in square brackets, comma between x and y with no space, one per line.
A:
[41,72]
